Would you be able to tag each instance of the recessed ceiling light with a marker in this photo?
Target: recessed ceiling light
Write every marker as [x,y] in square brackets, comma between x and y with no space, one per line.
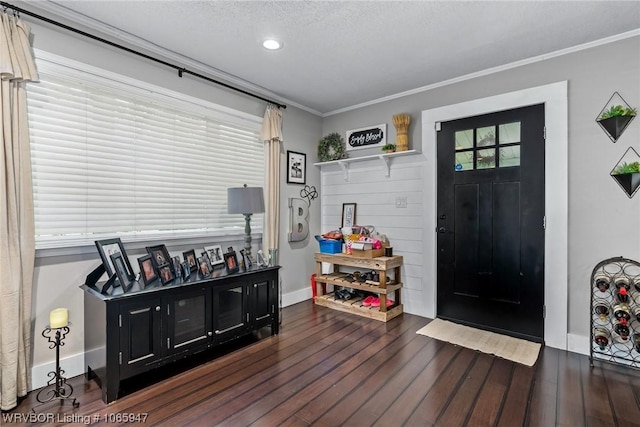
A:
[271,44]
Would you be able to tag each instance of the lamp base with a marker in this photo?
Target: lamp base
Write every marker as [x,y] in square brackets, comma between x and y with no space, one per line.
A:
[247,236]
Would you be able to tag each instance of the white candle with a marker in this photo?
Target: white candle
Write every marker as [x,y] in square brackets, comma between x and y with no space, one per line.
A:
[58,318]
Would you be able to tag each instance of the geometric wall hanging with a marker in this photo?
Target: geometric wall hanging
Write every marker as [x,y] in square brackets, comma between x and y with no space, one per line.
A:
[615,117]
[627,172]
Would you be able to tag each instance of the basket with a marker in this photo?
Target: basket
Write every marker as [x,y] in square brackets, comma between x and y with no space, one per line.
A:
[329,246]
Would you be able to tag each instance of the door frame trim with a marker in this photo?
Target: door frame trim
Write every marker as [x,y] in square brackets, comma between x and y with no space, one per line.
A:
[556,282]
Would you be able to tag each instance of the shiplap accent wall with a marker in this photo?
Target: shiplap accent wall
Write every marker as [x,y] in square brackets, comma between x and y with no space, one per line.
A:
[376,195]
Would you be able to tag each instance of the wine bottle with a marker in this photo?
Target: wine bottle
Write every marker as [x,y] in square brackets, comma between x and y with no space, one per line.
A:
[622,295]
[602,309]
[622,329]
[602,282]
[622,282]
[601,337]
[621,311]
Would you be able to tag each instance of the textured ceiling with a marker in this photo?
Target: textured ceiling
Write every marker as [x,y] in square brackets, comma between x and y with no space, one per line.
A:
[342,53]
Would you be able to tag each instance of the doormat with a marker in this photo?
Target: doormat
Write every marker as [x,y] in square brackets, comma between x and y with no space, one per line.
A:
[514,349]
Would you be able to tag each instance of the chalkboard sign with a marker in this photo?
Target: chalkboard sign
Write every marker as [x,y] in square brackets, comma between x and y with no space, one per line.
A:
[374,136]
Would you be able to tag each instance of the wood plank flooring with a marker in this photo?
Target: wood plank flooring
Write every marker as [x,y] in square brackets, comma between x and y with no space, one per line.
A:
[328,368]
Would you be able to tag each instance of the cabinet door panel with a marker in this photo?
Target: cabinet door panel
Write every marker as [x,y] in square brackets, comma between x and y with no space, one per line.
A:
[189,319]
[140,335]
[262,307]
[229,311]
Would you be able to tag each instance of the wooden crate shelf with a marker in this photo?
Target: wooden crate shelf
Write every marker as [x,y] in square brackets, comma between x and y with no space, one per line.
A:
[354,306]
[385,288]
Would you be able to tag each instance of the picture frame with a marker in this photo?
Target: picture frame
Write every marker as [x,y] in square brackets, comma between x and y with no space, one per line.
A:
[296,167]
[166,273]
[108,247]
[348,214]
[190,258]
[204,269]
[159,255]
[215,254]
[186,270]
[121,271]
[231,262]
[177,266]
[148,272]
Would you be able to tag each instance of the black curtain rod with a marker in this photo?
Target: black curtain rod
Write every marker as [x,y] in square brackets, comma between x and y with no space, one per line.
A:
[181,70]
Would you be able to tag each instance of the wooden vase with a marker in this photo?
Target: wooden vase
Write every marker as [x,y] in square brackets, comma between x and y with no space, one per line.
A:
[401,123]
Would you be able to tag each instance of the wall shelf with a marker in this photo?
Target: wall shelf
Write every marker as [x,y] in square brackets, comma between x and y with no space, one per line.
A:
[384,158]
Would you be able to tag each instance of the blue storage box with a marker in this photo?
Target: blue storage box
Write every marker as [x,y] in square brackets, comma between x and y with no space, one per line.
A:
[330,246]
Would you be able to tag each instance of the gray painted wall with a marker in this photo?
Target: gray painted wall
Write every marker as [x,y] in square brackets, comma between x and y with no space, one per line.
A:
[603,221]
[58,273]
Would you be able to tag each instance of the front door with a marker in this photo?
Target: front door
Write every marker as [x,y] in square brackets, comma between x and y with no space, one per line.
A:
[490,223]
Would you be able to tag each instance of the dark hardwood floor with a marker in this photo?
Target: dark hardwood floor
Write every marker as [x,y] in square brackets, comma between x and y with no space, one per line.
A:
[328,368]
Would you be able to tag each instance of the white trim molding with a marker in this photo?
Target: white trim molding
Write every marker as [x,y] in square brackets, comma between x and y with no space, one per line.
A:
[554,97]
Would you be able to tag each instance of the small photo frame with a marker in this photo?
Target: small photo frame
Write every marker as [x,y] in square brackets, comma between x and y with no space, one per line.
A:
[204,269]
[190,258]
[121,271]
[177,266]
[109,247]
[348,214]
[215,254]
[147,271]
[296,167]
[166,274]
[231,262]
[186,270]
[159,255]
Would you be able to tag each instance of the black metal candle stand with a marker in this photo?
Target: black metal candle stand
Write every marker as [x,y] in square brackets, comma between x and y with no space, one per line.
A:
[57,387]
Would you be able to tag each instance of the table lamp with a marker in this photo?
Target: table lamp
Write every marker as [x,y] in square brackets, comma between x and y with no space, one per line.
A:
[246,201]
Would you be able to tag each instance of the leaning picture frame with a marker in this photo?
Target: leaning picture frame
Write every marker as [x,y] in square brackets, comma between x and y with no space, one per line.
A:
[148,272]
[296,167]
[215,254]
[121,271]
[190,258]
[231,262]
[108,247]
[166,273]
[348,214]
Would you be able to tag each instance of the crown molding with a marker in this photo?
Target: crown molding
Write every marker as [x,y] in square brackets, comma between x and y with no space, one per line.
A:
[122,37]
[493,70]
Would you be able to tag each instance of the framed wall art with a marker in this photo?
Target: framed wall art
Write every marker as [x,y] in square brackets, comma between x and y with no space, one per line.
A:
[109,247]
[296,167]
[348,214]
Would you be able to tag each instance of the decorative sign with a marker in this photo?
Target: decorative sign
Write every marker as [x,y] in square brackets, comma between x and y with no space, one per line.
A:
[299,220]
[367,137]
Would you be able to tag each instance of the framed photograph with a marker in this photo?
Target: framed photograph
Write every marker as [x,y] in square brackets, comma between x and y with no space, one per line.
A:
[296,167]
[121,271]
[166,274]
[348,214]
[177,266]
[186,270]
[159,255]
[231,262]
[147,270]
[215,254]
[203,267]
[190,258]
[108,247]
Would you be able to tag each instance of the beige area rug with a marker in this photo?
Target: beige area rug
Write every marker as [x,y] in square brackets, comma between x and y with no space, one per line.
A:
[509,348]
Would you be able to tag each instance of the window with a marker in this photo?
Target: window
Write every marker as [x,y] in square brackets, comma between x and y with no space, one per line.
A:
[492,148]
[116,158]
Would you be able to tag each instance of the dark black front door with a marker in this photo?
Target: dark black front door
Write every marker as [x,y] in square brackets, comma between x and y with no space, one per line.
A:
[491,221]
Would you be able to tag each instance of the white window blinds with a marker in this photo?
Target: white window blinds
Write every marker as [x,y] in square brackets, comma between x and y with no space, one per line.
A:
[134,164]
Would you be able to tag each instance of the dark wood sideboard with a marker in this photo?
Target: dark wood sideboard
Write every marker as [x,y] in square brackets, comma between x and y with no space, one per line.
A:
[128,333]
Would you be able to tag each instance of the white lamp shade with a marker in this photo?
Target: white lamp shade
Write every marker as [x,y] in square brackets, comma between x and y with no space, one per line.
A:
[245,200]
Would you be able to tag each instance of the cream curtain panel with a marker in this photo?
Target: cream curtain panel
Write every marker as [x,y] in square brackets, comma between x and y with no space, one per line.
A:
[17,240]
[272,137]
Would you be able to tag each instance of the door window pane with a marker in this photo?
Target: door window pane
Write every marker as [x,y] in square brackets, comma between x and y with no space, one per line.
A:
[509,133]
[486,158]
[486,136]
[464,139]
[464,161]
[509,156]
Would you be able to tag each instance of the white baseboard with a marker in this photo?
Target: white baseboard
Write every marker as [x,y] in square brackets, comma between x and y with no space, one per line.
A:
[296,297]
[72,366]
[578,344]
